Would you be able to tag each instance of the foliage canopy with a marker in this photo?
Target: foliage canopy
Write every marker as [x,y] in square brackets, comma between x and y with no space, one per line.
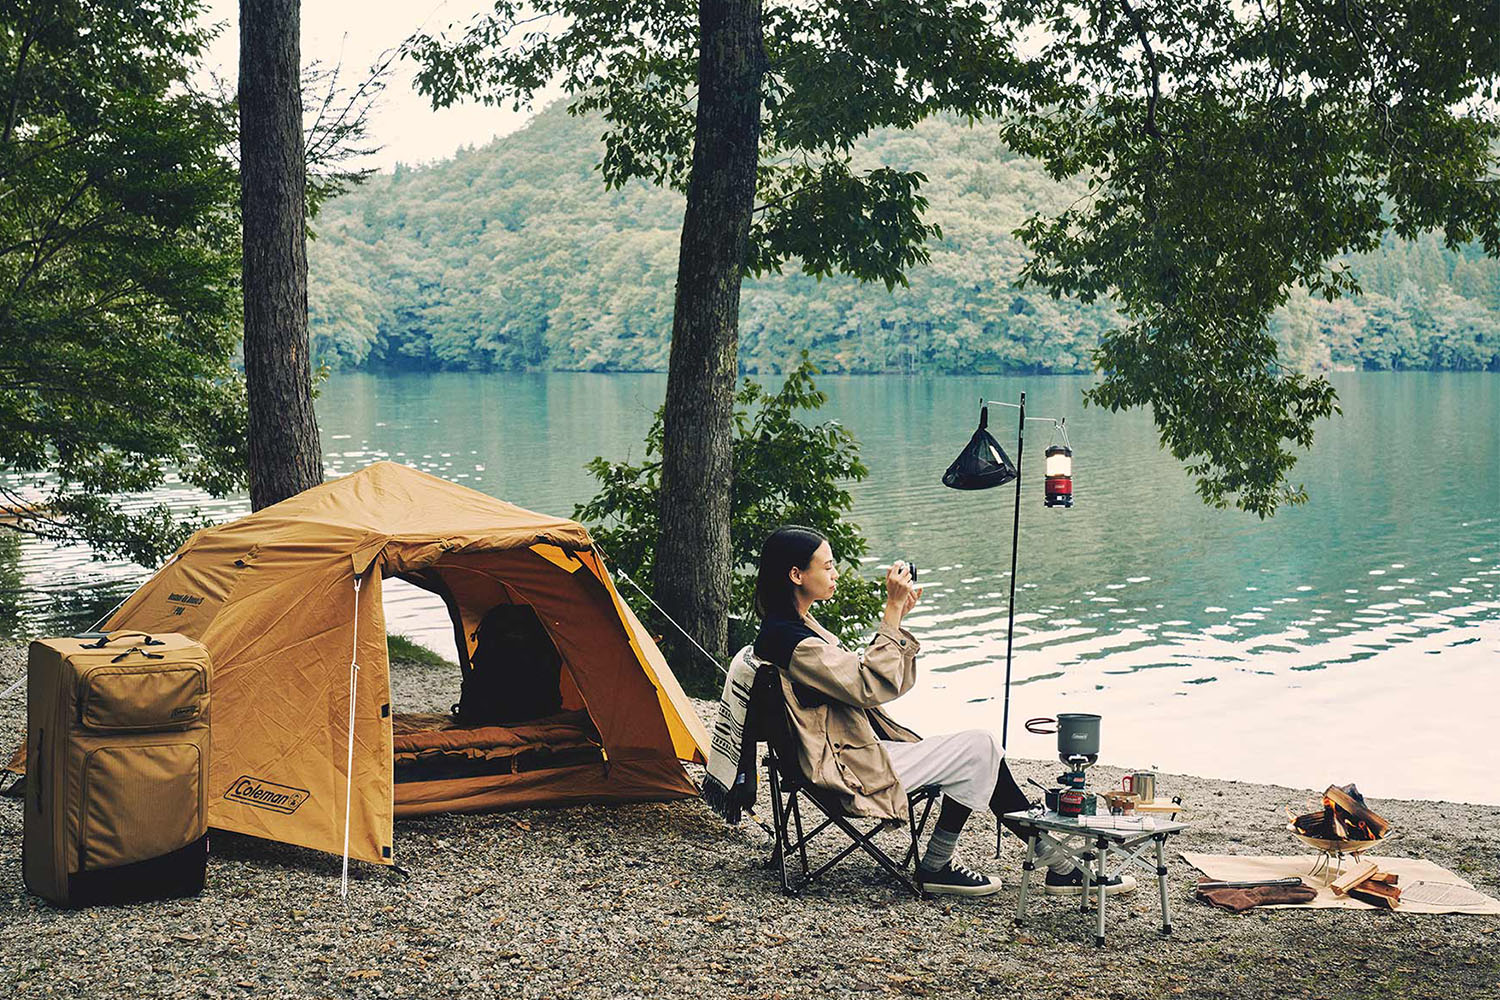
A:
[1229,153]
[119,261]
[785,472]
[513,257]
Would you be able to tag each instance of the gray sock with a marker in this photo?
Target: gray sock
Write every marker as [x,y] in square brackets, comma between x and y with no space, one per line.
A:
[939,849]
[1055,860]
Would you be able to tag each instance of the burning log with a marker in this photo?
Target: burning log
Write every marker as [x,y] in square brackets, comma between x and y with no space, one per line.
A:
[1344,816]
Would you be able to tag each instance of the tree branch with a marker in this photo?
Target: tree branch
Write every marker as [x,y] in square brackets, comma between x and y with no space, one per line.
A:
[1151,67]
[15,87]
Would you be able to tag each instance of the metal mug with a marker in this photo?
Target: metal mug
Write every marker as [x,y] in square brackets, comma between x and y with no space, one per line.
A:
[1141,784]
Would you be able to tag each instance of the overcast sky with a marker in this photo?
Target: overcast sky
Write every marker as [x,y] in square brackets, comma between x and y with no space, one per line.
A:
[358,32]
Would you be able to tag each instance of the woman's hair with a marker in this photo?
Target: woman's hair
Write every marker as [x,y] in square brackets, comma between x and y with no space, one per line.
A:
[789,545]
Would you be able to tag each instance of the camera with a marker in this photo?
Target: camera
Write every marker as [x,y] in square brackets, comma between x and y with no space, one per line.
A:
[911,568]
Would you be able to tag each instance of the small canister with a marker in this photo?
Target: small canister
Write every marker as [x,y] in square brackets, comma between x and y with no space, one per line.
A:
[1070,803]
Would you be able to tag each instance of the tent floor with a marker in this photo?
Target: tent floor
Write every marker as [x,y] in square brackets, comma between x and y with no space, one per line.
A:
[444,767]
[435,747]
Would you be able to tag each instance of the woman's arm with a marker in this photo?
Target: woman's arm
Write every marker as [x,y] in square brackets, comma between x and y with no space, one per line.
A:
[887,670]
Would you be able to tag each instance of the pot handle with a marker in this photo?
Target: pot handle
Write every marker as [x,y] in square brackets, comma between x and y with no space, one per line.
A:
[1034,726]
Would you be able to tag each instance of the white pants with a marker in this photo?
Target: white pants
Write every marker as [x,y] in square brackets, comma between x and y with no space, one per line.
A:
[965,765]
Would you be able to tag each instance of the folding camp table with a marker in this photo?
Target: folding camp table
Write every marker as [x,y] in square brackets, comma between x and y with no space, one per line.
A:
[1112,845]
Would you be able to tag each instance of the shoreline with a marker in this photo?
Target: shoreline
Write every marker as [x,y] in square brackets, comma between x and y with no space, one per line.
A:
[665,899]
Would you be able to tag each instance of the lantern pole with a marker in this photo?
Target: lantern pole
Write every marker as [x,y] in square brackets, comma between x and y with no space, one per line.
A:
[1015,544]
[1015,540]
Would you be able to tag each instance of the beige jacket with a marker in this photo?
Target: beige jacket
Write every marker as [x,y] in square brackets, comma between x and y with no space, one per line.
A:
[838,725]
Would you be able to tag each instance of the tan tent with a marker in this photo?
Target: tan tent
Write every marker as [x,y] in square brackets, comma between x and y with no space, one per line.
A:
[273,596]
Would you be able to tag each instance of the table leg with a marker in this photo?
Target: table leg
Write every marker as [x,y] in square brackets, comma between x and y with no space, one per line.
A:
[1084,861]
[1161,881]
[1026,868]
[1103,852]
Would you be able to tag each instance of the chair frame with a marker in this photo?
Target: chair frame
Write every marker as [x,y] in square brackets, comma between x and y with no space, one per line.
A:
[787,792]
[789,787]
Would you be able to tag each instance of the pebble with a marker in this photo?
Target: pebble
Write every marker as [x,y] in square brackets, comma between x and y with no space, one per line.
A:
[665,900]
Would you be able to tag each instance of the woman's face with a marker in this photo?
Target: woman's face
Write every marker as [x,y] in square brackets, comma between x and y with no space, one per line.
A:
[818,580]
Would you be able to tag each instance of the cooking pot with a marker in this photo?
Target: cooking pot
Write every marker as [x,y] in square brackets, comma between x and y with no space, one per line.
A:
[1077,734]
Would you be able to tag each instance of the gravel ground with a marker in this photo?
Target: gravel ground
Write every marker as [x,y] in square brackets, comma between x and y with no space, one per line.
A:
[665,900]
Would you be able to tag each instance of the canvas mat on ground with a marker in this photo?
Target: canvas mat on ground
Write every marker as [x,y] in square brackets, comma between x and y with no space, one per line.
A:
[1425,887]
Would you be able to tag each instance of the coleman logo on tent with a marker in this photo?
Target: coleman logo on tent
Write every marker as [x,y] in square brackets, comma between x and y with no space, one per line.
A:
[265,794]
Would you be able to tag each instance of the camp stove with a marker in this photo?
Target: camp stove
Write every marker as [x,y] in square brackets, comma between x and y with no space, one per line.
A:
[1078,749]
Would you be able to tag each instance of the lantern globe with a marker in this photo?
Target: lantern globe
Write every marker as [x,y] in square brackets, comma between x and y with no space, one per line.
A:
[1059,461]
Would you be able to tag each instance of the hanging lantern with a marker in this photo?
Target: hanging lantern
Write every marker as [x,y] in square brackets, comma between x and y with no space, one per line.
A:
[1059,473]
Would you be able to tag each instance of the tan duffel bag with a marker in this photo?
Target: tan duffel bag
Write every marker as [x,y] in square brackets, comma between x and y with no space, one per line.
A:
[117,768]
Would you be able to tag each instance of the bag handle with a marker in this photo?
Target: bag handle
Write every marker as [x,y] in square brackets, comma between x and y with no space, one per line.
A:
[105,640]
[137,649]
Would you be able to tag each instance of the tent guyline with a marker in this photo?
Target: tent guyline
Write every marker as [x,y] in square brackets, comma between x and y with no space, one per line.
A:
[706,654]
[349,761]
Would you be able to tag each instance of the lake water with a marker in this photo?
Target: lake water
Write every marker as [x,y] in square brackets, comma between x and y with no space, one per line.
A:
[1355,638]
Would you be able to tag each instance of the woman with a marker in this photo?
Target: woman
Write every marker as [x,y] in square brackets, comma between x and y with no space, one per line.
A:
[847,746]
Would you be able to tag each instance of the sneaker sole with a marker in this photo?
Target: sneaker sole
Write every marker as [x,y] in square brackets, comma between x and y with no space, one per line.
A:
[1127,884]
[961,890]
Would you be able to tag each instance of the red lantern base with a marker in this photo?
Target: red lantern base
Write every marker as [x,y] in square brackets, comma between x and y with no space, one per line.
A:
[1059,491]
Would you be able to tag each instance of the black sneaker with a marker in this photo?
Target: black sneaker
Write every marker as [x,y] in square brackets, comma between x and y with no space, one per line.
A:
[1071,884]
[954,879]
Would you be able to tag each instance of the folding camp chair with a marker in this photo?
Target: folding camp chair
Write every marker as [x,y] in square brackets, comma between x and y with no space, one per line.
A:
[767,724]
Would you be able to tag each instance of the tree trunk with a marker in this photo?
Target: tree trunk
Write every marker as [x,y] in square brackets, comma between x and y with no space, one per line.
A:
[692,567]
[285,455]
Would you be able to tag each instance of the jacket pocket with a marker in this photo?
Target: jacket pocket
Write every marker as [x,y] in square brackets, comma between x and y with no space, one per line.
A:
[863,766]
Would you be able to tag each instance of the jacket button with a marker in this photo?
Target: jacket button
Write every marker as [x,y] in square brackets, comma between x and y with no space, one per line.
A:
[903,642]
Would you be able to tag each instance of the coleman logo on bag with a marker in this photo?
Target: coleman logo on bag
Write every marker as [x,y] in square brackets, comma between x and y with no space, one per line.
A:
[265,794]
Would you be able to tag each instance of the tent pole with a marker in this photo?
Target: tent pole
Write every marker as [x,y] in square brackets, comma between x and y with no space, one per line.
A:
[1015,537]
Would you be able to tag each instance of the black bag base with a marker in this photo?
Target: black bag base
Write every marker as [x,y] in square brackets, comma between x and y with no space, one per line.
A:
[170,876]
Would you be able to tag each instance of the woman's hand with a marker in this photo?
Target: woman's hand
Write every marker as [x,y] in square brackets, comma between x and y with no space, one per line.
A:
[901,594]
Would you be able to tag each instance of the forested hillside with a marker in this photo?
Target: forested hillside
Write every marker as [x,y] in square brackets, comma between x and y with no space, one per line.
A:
[514,256]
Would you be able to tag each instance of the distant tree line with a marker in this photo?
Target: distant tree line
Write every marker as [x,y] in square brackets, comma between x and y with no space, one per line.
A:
[514,257]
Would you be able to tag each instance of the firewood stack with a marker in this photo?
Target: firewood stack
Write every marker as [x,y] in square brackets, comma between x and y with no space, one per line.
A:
[1344,816]
[1367,883]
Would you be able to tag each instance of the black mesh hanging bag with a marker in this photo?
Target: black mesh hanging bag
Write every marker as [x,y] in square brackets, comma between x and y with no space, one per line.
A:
[982,464]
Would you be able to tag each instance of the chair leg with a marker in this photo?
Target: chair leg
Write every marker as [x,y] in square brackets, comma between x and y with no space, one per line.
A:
[865,841]
[779,820]
[917,826]
[801,839]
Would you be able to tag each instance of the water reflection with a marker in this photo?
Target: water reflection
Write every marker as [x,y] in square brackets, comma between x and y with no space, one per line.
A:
[1139,601]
